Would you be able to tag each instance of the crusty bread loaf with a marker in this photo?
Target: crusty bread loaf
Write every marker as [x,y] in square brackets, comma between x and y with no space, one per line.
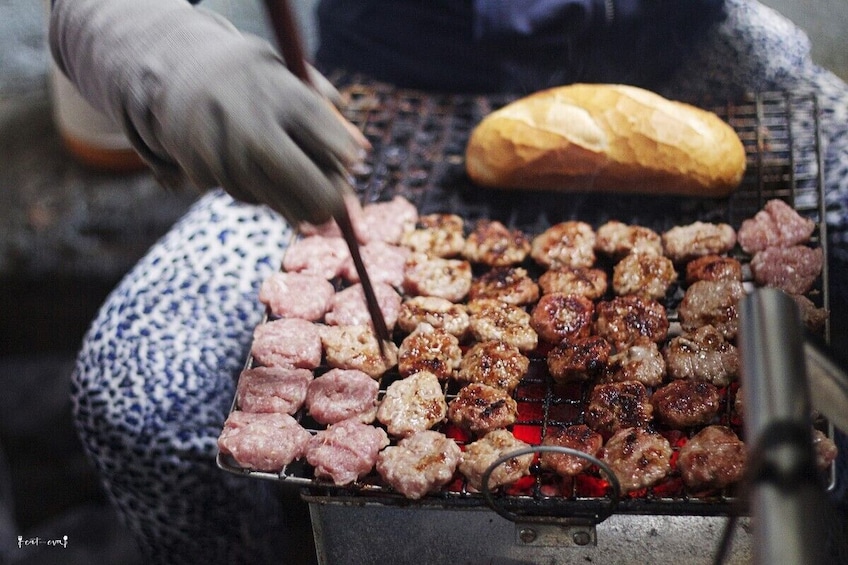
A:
[610,138]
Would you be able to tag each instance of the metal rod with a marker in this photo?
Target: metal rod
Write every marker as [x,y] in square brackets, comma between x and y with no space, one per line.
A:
[377,319]
[788,504]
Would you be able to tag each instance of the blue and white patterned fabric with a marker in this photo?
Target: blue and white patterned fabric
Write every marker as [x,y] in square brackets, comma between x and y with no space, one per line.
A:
[155,377]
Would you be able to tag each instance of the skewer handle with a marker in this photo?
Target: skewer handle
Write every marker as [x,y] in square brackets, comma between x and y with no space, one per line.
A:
[288,38]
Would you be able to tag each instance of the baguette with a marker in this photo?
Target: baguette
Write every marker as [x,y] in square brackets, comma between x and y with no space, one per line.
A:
[606,138]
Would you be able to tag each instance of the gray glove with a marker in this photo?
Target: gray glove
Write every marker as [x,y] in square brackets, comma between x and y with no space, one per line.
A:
[199,99]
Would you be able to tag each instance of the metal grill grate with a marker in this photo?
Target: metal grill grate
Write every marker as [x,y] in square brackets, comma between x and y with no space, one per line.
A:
[419,143]
[418,152]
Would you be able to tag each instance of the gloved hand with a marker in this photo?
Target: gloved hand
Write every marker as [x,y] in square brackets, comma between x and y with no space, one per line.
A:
[241,120]
[200,100]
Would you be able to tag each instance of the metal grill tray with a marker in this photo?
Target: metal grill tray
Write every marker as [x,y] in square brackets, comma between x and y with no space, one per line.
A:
[418,152]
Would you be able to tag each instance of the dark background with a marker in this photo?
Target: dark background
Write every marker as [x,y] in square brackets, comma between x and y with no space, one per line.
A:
[67,235]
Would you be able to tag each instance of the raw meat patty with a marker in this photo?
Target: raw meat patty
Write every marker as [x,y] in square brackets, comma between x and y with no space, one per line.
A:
[345,451]
[340,394]
[287,342]
[272,389]
[296,295]
[349,307]
[791,269]
[317,255]
[384,263]
[777,224]
[264,442]
[387,221]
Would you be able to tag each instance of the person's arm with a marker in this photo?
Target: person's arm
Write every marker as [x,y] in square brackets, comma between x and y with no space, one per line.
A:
[199,99]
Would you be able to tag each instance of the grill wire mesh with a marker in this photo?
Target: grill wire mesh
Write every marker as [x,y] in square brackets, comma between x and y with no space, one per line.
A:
[418,144]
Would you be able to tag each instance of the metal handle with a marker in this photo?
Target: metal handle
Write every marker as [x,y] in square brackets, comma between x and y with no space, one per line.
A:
[512,517]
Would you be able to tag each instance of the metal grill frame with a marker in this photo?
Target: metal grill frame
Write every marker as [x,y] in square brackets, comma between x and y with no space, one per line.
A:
[418,144]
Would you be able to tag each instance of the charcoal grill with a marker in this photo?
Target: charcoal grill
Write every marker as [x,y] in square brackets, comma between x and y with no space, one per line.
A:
[418,152]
